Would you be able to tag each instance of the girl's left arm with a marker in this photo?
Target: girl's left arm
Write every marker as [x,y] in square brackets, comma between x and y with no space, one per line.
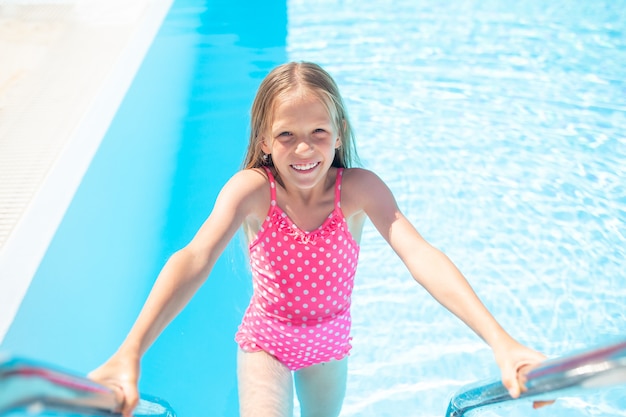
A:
[441,278]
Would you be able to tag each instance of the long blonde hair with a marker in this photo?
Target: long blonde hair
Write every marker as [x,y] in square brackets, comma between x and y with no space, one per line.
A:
[284,79]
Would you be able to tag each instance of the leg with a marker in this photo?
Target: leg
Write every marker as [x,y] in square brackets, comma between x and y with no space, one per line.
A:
[321,388]
[265,386]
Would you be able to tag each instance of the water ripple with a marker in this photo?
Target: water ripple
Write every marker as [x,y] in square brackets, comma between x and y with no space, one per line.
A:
[501,128]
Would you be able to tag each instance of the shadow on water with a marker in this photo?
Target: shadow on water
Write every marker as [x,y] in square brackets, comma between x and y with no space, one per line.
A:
[179,134]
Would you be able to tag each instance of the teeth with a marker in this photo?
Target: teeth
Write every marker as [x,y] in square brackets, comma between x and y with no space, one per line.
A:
[304,167]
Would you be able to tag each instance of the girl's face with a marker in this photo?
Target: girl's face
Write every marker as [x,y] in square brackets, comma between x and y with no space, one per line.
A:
[302,140]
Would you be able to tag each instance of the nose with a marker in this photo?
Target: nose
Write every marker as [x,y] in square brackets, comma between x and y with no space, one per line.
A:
[304,145]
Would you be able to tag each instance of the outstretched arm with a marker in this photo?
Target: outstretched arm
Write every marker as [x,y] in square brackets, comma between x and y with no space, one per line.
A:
[178,281]
[441,278]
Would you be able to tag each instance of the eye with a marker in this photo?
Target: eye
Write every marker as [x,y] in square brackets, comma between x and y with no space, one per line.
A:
[284,136]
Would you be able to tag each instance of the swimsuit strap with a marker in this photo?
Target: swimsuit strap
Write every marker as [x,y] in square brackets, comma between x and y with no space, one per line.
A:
[338,188]
[272,181]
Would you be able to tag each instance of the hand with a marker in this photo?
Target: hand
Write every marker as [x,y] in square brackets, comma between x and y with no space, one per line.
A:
[521,378]
[515,362]
[121,374]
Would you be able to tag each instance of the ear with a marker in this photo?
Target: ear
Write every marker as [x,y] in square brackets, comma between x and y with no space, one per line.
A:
[265,146]
[338,142]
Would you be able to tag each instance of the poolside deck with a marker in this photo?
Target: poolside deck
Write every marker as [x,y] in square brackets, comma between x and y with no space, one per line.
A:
[66,65]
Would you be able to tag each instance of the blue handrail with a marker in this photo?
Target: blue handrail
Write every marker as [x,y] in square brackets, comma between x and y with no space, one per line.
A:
[590,369]
[34,387]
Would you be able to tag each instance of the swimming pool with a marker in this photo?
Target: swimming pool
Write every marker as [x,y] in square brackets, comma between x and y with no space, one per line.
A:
[500,128]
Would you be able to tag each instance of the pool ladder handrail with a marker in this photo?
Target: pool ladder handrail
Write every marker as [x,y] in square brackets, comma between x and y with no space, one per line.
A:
[594,368]
[35,387]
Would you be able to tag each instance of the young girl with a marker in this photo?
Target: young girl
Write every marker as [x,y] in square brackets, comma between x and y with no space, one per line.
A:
[302,208]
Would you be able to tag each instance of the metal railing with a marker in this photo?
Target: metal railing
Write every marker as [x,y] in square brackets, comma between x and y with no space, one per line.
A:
[36,388]
[595,368]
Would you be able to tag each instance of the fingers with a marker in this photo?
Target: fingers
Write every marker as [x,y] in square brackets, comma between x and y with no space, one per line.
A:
[127,398]
[514,379]
[509,380]
[126,395]
[131,399]
[512,385]
[520,381]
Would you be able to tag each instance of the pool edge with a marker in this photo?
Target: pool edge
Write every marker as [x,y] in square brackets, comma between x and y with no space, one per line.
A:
[29,238]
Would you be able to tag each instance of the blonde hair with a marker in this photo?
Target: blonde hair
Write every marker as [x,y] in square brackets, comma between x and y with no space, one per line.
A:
[285,79]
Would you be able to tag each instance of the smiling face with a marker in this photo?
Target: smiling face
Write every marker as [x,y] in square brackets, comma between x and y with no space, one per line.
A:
[290,79]
[302,139]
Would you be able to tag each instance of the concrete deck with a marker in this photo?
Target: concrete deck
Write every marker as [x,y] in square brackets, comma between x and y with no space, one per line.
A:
[64,69]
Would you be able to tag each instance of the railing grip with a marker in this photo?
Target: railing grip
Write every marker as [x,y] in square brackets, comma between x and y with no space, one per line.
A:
[595,368]
[35,387]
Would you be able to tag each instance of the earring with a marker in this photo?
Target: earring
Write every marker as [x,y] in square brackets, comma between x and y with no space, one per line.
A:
[266,158]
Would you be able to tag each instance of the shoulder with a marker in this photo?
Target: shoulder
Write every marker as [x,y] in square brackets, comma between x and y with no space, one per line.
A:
[362,189]
[248,179]
[245,191]
[361,181]
[239,200]
[360,175]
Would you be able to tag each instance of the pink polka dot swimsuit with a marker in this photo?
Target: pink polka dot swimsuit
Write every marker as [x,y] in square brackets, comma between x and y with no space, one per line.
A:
[302,282]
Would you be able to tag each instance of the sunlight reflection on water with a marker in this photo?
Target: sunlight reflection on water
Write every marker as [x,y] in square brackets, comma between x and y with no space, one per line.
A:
[500,128]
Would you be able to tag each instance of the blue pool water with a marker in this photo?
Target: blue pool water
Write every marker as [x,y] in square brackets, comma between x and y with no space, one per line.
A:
[500,127]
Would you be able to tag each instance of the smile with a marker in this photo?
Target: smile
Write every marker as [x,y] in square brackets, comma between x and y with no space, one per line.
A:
[305,167]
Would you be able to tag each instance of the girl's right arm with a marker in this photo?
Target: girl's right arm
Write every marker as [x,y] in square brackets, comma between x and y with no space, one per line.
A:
[179,279]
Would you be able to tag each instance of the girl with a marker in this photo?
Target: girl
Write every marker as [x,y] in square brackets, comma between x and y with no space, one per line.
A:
[303,259]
